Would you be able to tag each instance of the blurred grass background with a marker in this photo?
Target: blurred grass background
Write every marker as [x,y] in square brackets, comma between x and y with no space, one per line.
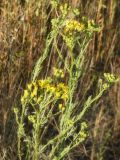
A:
[24,26]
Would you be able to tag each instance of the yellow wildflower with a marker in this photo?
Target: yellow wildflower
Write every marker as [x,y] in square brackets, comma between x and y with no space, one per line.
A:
[31,118]
[106,86]
[47,88]
[52,89]
[43,83]
[73,25]
[58,73]
[57,94]
[63,90]
[34,92]
[61,107]
[61,85]
[26,94]
[64,96]
[111,78]
[22,99]
[29,86]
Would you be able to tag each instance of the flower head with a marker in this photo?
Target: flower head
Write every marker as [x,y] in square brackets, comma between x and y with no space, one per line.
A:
[58,73]
[73,25]
[61,107]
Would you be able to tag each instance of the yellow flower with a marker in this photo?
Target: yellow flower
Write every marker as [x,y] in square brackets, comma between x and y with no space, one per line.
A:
[79,27]
[34,92]
[63,90]
[22,99]
[57,94]
[61,107]
[58,73]
[26,94]
[31,118]
[73,25]
[47,87]
[29,86]
[64,96]
[52,89]
[106,86]
[61,85]
[43,83]
[111,78]
[83,135]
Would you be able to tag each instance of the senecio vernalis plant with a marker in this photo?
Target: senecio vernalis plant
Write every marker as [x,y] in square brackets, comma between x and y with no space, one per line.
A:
[47,127]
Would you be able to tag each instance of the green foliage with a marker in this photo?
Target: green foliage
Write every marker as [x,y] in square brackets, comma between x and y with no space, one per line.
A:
[50,101]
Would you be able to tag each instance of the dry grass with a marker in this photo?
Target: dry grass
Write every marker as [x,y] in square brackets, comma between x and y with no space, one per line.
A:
[23,31]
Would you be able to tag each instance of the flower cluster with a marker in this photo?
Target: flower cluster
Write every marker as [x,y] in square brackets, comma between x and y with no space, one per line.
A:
[36,91]
[83,133]
[108,80]
[111,78]
[61,107]
[62,91]
[73,25]
[58,73]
